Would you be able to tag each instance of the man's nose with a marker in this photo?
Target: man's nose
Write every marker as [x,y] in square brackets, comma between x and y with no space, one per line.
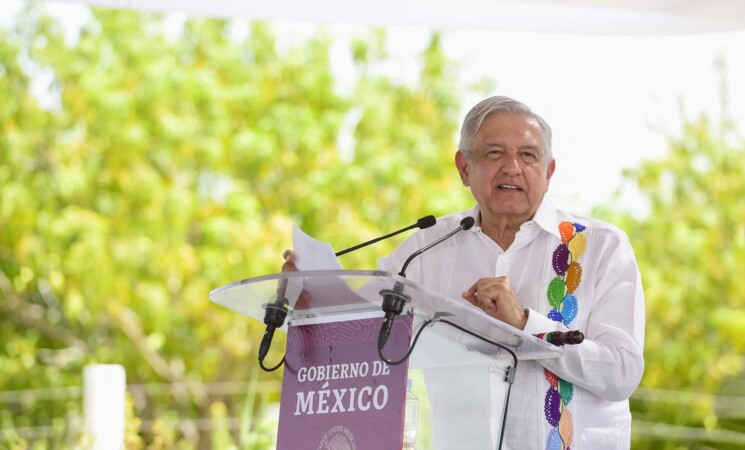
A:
[512,166]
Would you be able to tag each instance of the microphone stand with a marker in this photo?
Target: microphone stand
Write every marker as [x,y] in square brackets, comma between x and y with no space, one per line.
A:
[274,317]
[276,313]
[394,299]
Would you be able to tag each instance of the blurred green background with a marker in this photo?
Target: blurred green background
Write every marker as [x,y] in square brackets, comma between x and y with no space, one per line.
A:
[167,161]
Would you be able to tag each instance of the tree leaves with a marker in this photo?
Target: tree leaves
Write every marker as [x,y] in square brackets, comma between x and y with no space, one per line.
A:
[691,256]
[175,161]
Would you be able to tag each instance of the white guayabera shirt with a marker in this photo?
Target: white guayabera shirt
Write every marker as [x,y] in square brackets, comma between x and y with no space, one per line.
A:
[604,370]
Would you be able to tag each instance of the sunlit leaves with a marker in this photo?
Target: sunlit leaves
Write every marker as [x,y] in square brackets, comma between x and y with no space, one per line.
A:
[691,256]
[175,161]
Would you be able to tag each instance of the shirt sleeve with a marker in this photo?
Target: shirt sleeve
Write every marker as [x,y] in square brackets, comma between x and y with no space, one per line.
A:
[610,362]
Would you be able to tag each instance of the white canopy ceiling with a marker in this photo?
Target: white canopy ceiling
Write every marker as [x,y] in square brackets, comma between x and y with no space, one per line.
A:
[603,17]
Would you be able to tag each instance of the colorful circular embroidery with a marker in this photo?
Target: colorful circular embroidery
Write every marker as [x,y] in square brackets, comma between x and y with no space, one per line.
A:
[564,306]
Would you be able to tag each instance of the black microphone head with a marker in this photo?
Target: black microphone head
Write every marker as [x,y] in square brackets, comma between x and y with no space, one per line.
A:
[426,222]
[467,222]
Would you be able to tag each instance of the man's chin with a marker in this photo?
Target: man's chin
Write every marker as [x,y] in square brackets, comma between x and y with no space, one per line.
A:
[514,212]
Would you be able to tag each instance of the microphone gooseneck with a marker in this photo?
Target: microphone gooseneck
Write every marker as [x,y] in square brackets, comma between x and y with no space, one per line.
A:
[394,299]
[465,224]
[424,222]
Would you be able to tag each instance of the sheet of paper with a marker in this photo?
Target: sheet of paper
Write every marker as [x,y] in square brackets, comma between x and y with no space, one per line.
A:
[312,254]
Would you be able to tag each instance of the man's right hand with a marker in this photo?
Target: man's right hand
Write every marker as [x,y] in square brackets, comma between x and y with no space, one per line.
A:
[289,265]
[497,298]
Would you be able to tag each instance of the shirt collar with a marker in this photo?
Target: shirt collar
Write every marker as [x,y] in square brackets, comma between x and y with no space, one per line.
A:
[545,217]
[475,212]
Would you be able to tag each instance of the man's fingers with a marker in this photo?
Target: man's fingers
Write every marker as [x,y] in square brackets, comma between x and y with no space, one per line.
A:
[289,265]
[470,292]
[485,294]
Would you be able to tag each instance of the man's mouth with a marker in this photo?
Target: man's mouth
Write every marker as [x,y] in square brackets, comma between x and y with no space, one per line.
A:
[509,187]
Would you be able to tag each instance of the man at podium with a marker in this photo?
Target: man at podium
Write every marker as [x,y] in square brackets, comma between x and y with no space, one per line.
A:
[539,268]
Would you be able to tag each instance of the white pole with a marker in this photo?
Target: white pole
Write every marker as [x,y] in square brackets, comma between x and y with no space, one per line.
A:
[103,396]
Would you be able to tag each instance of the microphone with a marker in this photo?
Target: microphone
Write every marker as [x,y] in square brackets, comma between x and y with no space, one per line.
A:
[424,222]
[394,299]
[559,338]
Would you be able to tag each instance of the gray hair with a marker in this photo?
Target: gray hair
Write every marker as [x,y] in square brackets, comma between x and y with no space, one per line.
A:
[496,105]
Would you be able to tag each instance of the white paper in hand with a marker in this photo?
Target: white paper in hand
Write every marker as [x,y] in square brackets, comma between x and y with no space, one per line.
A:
[312,254]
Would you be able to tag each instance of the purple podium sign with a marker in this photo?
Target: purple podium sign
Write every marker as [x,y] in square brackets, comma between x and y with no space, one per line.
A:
[337,394]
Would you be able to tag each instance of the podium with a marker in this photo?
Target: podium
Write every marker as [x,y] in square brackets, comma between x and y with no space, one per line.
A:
[461,368]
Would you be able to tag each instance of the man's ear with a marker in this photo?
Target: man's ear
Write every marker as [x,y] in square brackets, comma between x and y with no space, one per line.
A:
[550,171]
[461,162]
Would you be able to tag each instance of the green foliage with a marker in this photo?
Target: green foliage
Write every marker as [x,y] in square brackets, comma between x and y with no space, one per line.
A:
[691,253]
[690,247]
[161,165]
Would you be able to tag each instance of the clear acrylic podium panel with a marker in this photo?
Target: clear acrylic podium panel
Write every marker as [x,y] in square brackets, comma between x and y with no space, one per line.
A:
[459,380]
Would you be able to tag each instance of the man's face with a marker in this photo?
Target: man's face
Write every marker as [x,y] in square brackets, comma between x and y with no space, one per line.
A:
[505,171]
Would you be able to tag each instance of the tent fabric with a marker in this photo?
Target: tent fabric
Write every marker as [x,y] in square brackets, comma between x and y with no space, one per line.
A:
[598,17]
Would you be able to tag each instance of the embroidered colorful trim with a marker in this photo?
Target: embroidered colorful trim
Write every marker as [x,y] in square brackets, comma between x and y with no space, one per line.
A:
[561,297]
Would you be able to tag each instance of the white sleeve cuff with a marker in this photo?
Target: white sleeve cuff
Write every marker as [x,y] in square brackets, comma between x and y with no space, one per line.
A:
[538,323]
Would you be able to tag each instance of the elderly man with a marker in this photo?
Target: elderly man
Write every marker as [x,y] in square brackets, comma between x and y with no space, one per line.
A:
[539,269]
